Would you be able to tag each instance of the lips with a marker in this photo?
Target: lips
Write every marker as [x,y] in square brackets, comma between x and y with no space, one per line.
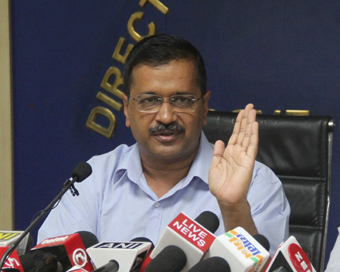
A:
[165,133]
[166,136]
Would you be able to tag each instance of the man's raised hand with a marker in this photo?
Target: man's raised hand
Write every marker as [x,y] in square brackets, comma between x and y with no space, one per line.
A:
[232,167]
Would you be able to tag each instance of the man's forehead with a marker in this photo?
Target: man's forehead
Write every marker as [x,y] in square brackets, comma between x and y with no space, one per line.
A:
[153,67]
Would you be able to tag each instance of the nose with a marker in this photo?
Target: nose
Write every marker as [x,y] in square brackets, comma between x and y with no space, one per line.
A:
[166,113]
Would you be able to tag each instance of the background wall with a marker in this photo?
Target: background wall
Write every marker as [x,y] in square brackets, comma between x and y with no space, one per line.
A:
[278,55]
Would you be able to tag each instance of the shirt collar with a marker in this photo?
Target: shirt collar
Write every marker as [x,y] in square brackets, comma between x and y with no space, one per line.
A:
[201,164]
[131,163]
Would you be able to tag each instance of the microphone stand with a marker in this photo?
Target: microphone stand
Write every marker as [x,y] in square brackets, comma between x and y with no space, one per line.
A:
[68,184]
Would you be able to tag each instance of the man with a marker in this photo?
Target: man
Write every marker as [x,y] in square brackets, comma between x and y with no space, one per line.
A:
[334,259]
[138,190]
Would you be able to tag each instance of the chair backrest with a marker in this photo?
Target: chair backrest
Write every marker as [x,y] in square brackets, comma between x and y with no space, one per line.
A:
[299,151]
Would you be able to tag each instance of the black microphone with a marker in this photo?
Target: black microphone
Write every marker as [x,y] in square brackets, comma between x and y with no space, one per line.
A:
[262,240]
[81,172]
[111,266]
[208,220]
[281,269]
[216,264]
[170,259]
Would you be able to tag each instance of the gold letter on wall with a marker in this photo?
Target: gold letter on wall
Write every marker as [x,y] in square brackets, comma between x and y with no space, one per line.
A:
[91,121]
[112,88]
[116,55]
[136,36]
[160,6]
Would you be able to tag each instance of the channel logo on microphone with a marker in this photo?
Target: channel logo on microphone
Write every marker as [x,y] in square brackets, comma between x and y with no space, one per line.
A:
[119,245]
[241,241]
[192,232]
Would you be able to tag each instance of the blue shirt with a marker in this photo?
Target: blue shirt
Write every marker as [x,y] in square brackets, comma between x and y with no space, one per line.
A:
[116,203]
[334,259]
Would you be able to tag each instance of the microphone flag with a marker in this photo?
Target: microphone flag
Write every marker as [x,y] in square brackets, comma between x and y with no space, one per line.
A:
[12,260]
[72,245]
[240,250]
[188,235]
[129,255]
[291,257]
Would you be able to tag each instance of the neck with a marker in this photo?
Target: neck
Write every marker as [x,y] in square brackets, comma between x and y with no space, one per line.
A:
[163,175]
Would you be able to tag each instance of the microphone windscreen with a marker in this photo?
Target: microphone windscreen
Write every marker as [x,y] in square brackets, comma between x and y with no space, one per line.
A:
[88,238]
[82,171]
[170,259]
[111,266]
[51,266]
[263,241]
[144,239]
[27,262]
[281,269]
[209,220]
[216,264]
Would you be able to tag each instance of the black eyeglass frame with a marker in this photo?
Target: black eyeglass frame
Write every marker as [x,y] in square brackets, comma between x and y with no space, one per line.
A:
[162,99]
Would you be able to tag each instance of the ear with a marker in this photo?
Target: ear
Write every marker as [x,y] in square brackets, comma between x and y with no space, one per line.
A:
[126,112]
[206,106]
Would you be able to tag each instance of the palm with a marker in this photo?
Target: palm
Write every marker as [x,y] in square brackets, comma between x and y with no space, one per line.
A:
[231,168]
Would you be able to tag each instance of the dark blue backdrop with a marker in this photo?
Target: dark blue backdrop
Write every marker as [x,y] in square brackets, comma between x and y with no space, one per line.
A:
[276,54]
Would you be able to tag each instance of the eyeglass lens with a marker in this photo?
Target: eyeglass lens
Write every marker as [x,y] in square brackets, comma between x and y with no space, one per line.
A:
[152,103]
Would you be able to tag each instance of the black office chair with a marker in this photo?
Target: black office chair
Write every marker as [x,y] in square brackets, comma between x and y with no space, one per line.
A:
[299,151]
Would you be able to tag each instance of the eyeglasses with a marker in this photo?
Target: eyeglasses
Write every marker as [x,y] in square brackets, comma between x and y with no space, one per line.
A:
[153,102]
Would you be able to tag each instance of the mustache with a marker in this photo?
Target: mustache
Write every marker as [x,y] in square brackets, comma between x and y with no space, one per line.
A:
[174,127]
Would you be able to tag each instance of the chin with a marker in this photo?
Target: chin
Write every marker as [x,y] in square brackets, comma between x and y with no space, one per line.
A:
[172,154]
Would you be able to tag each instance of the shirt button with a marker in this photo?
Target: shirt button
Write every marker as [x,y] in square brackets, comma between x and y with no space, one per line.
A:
[156,204]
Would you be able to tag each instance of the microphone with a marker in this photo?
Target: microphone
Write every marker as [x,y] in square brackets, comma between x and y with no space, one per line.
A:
[12,262]
[240,250]
[170,259]
[216,264]
[262,240]
[7,238]
[81,172]
[290,257]
[281,269]
[193,237]
[111,266]
[128,255]
[63,252]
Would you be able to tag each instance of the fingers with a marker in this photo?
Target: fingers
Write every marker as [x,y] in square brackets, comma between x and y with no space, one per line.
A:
[246,131]
[253,140]
[218,153]
[243,129]
[237,128]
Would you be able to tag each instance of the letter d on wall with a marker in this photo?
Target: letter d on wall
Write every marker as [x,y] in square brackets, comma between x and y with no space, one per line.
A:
[91,121]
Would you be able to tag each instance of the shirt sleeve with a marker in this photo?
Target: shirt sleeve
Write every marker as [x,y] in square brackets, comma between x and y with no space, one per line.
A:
[269,206]
[73,213]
